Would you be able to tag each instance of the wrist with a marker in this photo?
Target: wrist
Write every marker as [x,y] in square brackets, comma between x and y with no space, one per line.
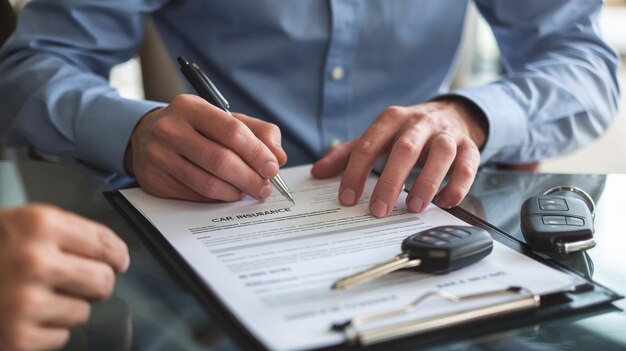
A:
[128,154]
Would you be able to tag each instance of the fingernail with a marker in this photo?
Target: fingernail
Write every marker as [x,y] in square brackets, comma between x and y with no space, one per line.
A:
[379,208]
[266,191]
[416,204]
[443,204]
[347,196]
[269,170]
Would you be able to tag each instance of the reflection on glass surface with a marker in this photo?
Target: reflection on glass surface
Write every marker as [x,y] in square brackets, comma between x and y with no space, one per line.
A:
[497,196]
[153,310]
[11,188]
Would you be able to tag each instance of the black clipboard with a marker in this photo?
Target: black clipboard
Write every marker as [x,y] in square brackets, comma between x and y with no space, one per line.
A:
[587,298]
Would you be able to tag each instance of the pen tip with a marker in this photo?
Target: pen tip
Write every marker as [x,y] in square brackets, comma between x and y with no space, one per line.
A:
[182,60]
[337,286]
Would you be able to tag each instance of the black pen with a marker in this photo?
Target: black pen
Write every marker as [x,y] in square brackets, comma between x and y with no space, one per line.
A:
[208,91]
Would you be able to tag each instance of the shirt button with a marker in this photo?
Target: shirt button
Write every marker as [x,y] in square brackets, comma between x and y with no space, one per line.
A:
[337,73]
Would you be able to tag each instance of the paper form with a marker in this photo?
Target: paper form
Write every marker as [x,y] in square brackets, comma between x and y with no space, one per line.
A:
[272,263]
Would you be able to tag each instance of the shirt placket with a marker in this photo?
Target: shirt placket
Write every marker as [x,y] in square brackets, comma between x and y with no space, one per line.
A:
[336,89]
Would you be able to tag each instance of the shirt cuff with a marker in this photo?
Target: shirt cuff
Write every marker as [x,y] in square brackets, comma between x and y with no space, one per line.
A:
[506,120]
[104,132]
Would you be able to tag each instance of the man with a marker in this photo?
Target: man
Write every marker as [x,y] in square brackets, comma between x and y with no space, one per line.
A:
[52,265]
[370,77]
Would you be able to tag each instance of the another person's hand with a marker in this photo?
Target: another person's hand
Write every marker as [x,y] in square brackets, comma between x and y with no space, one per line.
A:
[441,136]
[192,150]
[52,265]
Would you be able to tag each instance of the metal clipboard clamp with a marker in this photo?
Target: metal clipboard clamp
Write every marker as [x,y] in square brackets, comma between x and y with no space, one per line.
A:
[351,329]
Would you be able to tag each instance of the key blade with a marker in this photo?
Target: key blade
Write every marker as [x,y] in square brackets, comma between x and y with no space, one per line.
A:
[386,267]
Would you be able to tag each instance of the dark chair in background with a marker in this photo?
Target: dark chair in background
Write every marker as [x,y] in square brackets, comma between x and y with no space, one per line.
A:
[7,20]
[160,75]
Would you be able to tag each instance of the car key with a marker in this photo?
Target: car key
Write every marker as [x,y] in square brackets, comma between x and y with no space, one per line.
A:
[436,250]
[557,224]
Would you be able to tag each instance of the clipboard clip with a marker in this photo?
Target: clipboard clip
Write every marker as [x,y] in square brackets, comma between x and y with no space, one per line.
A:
[355,334]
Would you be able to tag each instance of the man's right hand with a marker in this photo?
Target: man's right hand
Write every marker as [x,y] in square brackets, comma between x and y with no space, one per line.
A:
[52,265]
[192,150]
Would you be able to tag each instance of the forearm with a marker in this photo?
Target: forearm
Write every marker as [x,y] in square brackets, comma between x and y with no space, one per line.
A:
[539,114]
[62,111]
[54,90]
[559,94]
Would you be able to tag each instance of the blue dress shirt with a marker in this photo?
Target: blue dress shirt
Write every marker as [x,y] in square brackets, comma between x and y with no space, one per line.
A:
[321,70]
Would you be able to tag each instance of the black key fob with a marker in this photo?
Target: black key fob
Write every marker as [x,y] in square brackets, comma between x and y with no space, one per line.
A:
[448,248]
[557,224]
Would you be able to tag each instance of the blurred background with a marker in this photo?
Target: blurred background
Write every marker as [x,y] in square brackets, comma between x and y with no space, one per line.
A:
[607,154]
[478,63]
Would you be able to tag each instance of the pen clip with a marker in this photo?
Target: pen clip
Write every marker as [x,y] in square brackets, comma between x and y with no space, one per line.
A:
[222,100]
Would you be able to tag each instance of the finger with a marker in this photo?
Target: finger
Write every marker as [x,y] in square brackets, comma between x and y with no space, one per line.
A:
[365,152]
[162,184]
[32,337]
[87,238]
[82,277]
[402,158]
[40,304]
[195,178]
[461,176]
[64,311]
[333,162]
[442,152]
[234,135]
[207,184]
[268,133]
[216,164]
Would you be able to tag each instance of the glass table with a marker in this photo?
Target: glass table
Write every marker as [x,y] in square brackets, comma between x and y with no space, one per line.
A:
[152,309]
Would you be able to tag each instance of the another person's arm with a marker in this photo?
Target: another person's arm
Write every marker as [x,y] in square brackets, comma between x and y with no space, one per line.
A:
[560,92]
[53,264]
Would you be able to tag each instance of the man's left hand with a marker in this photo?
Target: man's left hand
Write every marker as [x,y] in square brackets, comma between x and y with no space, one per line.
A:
[441,136]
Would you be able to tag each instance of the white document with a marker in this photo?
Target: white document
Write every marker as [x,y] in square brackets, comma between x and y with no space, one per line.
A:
[272,263]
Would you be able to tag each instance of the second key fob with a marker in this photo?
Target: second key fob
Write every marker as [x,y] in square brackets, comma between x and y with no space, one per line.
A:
[557,224]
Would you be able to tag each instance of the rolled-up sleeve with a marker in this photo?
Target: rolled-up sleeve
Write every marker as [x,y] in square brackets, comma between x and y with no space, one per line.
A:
[560,90]
[54,90]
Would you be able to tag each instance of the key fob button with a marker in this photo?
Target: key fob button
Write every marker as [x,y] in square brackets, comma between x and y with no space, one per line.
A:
[575,221]
[552,201]
[554,204]
[447,236]
[426,239]
[456,231]
[554,207]
[553,220]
